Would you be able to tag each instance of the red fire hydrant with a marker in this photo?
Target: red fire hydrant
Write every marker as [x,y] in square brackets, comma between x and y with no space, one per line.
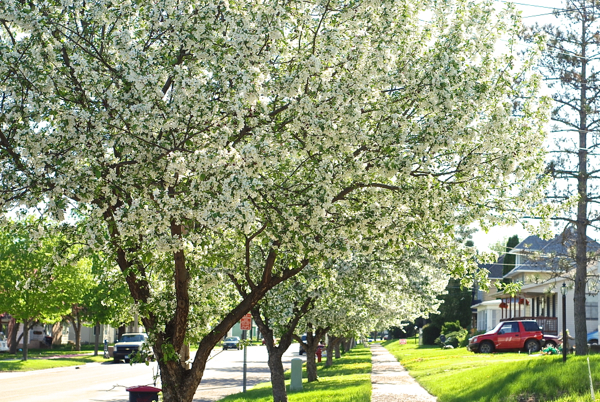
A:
[319,352]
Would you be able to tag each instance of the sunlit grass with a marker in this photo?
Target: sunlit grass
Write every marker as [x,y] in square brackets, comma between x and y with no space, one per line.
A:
[456,375]
[348,380]
[56,350]
[41,364]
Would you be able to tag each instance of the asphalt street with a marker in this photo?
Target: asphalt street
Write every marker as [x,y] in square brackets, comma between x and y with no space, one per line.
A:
[107,382]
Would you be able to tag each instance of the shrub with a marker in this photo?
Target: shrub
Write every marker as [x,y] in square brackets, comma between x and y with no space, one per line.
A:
[455,338]
[430,333]
[451,326]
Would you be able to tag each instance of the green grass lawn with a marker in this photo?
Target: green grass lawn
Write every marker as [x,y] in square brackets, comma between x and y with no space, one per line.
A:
[41,364]
[456,375]
[348,380]
[56,350]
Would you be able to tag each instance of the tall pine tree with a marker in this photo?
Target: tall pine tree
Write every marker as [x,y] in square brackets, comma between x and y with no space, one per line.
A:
[569,66]
[509,259]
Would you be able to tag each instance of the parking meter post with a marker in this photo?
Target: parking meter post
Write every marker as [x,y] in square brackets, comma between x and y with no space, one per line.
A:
[245,358]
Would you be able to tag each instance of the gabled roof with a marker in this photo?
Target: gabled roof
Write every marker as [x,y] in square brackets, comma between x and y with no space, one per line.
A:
[495,268]
[542,255]
[531,243]
[561,243]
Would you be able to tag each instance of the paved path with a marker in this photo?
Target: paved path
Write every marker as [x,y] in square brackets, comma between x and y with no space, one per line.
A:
[391,382]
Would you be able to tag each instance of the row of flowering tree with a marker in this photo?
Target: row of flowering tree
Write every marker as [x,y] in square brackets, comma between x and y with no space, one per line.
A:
[218,149]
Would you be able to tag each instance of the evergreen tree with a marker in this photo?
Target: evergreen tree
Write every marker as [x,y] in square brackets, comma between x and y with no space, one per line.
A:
[510,259]
[456,305]
[570,69]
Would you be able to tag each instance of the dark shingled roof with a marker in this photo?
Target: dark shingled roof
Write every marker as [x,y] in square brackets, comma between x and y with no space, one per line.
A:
[561,243]
[531,243]
[550,254]
[495,268]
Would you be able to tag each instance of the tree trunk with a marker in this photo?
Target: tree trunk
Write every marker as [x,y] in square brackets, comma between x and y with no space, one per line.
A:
[312,342]
[184,356]
[333,347]
[330,346]
[276,352]
[581,258]
[25,339]
[57,333]
[311,364]
[177,383]
[13,330]
[97,339]
[76,323]
[277,374]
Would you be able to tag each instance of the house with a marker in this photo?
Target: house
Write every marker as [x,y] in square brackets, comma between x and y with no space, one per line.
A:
[485,307]
[61,333]
[542,267]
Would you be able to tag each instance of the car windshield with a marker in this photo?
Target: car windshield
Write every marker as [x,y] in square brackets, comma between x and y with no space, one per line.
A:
[231,338]
[132,338]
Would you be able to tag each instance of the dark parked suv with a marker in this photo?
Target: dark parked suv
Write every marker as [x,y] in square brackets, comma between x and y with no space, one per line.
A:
[509,335]
[301,348]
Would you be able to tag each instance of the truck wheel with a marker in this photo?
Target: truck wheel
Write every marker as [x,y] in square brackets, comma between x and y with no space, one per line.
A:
[486,347]
[116,360]
[532,345]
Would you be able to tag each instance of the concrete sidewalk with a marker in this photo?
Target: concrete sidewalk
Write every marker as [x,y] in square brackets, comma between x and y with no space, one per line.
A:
[391,382]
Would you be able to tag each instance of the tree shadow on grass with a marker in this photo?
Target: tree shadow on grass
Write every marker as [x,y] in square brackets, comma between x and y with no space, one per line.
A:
[535,380]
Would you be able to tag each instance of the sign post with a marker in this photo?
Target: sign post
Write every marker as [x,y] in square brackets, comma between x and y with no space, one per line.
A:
[245,325]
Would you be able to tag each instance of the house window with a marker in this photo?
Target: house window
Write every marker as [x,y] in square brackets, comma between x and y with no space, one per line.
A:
[481,320]
[591,311]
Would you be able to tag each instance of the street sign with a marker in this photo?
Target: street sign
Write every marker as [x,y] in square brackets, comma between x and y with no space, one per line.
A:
[246,322]
[402,341]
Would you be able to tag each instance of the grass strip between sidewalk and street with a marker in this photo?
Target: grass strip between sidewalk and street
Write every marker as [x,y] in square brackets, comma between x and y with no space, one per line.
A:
[47,363]
[457,375]
[347,380]
[55,351]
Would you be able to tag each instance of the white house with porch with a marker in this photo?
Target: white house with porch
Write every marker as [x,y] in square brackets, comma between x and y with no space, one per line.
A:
[541,267]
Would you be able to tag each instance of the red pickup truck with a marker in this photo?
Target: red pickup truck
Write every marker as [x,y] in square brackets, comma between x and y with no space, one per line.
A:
[509,335]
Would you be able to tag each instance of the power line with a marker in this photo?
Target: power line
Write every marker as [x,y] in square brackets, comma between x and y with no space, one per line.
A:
[529,5]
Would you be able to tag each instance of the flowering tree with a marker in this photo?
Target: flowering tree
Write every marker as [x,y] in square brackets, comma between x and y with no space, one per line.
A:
[347,298]
[222,144]
[374,292]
